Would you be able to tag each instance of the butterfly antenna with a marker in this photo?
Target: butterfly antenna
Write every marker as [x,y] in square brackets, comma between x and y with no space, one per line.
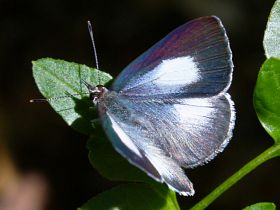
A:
[46,99]
[94,48]
[53,98]
[38,100]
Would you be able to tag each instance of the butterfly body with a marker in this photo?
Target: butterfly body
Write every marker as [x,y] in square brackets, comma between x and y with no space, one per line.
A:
[169,108]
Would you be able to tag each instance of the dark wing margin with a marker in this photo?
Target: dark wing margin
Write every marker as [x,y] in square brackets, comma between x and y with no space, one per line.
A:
[193,60]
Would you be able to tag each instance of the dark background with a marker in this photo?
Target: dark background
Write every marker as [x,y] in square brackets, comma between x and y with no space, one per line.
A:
[40,141]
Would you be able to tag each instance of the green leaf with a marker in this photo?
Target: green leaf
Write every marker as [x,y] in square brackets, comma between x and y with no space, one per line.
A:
[267,97]
[133,197]
[271,40]
[58,78]
[261,206]
[110,163]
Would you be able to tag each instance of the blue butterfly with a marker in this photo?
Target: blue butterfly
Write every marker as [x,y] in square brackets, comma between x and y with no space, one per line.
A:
[170,108]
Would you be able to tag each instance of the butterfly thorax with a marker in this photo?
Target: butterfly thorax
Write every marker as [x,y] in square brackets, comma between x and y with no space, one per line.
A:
[96,93]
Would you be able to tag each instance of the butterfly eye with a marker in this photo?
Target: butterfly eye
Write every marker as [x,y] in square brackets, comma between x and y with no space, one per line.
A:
[92,96]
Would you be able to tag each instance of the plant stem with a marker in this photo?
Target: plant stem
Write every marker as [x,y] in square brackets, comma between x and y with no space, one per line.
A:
[270,153]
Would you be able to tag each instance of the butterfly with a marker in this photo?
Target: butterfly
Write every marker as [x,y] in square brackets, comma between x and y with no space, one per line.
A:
[169,109]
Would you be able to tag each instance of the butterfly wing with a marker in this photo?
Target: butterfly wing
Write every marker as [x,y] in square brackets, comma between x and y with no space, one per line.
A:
[169,108]
[165,134]
[193,60]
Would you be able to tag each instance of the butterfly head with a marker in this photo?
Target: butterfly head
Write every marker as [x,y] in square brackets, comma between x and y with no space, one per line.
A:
[95,92]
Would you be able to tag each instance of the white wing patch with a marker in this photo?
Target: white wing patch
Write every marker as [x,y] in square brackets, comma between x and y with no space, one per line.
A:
[177,71]
[195,107]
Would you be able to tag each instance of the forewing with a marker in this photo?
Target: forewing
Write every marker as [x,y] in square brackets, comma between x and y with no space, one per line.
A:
[193,60]
[168,133]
